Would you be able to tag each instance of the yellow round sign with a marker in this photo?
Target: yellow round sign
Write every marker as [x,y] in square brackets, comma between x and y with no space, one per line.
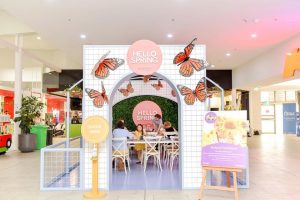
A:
[95,129]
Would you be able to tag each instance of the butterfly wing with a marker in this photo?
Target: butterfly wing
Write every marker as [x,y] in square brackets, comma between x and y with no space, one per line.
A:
[189,48]
[189,96]
[97,96]
[101,72]
[200,90]
[173,92]
[147,78]
[197,64]
[124,92]
[182,56]
[156,86]
[103,88]
[92,93]
[130,88]
[105,97]
[186,69]
[179,58]
[99,61]
[99,102]
[108,63]
[113,63]
[160,84]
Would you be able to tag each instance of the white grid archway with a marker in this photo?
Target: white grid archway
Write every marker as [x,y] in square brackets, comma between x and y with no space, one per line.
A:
[191,116]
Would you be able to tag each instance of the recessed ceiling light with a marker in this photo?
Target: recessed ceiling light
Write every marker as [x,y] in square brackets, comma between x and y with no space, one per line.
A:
[38,38]
[256,89]
[253,35]
[228,54]
[289,54]
[256,20]
[82,36]
[212,66]
[169,35]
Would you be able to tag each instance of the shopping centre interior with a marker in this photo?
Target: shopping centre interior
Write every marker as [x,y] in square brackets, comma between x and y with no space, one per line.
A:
[65,62]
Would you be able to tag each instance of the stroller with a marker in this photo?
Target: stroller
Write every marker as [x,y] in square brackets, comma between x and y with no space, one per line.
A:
[59,130]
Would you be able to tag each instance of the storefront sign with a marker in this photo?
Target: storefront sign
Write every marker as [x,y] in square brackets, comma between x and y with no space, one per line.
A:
[224,139]
[144,57]
[95,129]
[143,113]
[289,118]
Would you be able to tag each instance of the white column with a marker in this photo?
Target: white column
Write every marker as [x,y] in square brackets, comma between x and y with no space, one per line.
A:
[18,86]
[255,109]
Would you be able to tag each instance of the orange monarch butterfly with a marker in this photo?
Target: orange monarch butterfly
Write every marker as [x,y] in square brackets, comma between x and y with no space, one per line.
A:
[128,90]
[158,86]
[187,64]
[147,78]
[190,96]
[100,69]
[99,97]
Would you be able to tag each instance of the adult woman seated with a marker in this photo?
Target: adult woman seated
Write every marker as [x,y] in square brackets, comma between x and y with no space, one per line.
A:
[121,132]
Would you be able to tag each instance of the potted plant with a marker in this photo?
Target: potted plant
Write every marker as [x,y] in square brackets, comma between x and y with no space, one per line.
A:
[31,109]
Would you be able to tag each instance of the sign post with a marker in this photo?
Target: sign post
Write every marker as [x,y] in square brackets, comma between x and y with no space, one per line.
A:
[94,130]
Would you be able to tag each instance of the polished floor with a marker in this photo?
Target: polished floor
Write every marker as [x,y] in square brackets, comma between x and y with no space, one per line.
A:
[152,179]
[274,175]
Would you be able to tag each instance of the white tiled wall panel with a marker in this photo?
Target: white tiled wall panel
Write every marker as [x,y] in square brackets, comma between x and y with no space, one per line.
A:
[190,119]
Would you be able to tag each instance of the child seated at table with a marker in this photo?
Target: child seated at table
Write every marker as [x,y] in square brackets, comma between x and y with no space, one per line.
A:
[138,135]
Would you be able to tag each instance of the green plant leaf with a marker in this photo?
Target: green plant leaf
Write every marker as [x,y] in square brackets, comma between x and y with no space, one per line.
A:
[30,109]
[124,108]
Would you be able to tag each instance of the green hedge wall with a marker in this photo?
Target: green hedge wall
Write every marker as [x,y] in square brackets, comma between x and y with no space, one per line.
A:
[123,110]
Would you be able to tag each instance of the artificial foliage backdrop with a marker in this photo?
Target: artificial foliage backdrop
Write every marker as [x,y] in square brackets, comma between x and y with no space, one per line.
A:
[124,109]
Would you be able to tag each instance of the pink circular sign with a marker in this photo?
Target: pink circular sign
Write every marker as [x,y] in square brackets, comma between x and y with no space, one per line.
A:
[143,113]
[144,57]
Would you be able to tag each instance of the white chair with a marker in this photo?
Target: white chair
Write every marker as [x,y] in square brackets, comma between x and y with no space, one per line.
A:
[173,153]
[120,151]
[150,150]
[167,146]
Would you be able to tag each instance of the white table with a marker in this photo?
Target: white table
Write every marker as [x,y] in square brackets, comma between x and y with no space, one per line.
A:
[163,141]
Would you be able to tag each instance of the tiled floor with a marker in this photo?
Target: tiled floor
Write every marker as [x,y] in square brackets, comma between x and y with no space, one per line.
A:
[274,175]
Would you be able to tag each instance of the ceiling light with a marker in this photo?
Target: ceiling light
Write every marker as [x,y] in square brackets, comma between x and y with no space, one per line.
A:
[228,54]
[256,89]
[253,35]
[212,66]
[82,36]
[256,20]
[289,54]
[169,35]
[38,38]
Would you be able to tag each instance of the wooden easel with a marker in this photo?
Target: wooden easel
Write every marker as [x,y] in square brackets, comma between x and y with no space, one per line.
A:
[228,188]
